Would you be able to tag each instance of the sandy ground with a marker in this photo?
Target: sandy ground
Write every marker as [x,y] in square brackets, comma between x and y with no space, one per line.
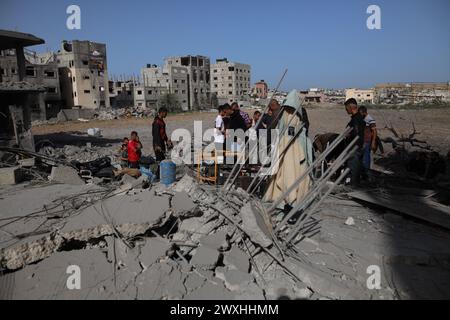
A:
[432,125]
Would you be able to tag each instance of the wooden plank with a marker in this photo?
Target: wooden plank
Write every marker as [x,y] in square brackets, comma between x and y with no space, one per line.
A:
[417,207]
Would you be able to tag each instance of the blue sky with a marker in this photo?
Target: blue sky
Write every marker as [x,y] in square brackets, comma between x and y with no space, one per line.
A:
[322,43]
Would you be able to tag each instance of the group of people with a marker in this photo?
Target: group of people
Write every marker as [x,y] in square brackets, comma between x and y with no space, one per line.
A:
[231,117]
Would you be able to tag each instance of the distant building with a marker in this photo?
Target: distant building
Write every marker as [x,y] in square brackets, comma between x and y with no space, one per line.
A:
[148,96]
[83,74]
[230,80]
[313,96]
[17,96]
[198,79]
[361,95]
[170,79]
[40,69]
[260,90]
[121,94]
[404,93]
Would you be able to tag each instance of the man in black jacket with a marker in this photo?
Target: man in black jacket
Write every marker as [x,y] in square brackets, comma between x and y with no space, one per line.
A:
[358,126]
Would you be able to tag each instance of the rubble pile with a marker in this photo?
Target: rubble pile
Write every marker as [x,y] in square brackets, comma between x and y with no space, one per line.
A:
[188,241]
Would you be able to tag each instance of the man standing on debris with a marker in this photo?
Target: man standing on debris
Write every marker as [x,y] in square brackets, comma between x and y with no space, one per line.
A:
[358,127]
[134,151]
[370,138]
[160,139]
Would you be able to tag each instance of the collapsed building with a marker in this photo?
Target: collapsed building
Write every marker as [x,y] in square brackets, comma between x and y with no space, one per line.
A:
[18,97]
[412,93]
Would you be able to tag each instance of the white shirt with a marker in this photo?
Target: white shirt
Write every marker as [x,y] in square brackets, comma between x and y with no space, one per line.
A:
[219,127]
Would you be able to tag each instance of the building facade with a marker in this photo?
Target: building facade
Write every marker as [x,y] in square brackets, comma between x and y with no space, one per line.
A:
[83,74]
[361,95]
[261,90]
[170,79]
[41,70]
[198,79]
[230,81]
[121,94]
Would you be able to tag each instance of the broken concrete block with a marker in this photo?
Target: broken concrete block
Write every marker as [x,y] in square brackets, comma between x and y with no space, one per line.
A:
[254,225]
[181,203]
[237,259]
[217,241]
[234,279]
[154,249]
[67,175]
[205,258]
[11,175]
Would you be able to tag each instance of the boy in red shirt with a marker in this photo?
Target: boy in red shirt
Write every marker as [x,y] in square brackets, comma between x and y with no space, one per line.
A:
[134,151]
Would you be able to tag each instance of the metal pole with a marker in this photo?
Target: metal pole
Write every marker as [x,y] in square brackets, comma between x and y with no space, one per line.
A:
[301,222]
[257,124]
[336,165]
[310,168]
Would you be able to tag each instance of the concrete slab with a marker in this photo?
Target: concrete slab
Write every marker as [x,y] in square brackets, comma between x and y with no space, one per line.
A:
[182,203]
[153,249]
[217,241]
[48,278]
[67,175]
[237,259]
[205,258]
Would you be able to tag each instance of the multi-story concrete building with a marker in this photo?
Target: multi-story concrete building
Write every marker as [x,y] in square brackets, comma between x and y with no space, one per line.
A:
[198,79]
[148,96]
[83,74]
[41,70]
[230,80]
[361,95]
[170,79]
[260,90]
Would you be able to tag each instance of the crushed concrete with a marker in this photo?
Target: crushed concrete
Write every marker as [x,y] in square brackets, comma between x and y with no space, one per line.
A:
[186,241]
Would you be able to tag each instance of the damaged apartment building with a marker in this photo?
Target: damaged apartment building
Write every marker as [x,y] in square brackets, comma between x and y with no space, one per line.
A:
[40,70]
[230,81]
[83,74]
[198,79]
[18,96]
[157,82]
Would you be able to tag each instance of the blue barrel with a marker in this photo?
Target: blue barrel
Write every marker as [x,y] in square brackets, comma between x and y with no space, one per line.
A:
[167,172]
